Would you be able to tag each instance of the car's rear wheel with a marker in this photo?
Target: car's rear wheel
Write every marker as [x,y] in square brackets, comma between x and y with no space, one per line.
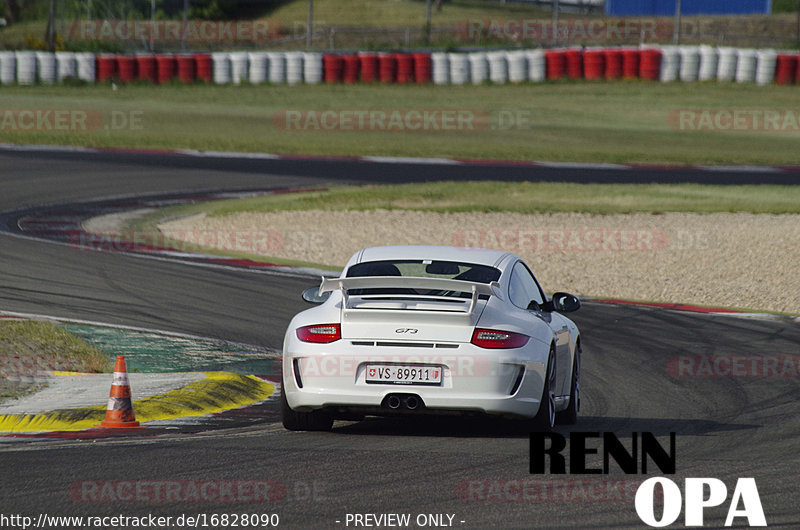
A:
[317,420]
[570,415]
[545,418]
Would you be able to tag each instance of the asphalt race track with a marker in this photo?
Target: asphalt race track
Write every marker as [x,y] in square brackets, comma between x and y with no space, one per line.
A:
[726,427]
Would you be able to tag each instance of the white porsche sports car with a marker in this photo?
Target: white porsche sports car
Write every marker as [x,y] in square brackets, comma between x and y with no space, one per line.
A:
[431,330]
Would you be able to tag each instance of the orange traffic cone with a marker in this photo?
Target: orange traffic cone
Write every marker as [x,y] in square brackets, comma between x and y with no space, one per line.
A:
[120,409]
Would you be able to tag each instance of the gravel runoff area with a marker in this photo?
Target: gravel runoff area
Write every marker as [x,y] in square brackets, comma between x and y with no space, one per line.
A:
[730,259]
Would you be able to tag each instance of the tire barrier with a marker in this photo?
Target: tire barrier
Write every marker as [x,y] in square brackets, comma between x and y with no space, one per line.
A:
[650,64]
[670,64]
[350,69]
[277,68]
[690,63]
[87,66]
[726,66]
[146,67]
[222,68]
[459,68]
[368,62]
[785,69]
[239,65]
[26,67]
[106,67]
[166,65]
[387,67]
[204,67]
[709,63]
[46,67]
[613,63]
[664,63]
[537,67]
[746,66]
[294,68]
[478,68]
[186,68]
[440,73]
[765,66]
[631,63]
[498,67]
[405,68]
[594,64]
[573,58]
[422,68]
[66,66]
[556,63]
[257,67]
[312,68]
[517,66]
[126,68]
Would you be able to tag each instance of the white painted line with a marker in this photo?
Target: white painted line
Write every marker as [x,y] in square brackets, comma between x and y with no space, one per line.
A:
[226,154]
[742,169]
[411,160]
[582,165]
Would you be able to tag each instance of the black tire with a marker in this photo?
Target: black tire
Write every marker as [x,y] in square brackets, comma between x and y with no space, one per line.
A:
[546,416]
[570,415]
[318,420]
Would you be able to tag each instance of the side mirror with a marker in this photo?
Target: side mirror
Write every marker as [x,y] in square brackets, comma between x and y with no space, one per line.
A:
[565,302]
[312,296]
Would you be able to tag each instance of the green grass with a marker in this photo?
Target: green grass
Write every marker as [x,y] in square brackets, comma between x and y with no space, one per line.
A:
[622,122]
[519,197]
[395,13]
[29,348]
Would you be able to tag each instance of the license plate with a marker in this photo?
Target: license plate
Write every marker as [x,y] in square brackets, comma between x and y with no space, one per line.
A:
[403,374]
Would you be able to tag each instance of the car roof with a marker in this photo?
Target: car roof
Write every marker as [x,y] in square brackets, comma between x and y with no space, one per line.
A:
[478,256]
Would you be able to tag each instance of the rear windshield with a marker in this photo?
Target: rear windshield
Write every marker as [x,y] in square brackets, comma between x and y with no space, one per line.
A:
[426,269]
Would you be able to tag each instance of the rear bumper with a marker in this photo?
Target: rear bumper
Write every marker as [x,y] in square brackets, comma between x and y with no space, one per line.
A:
[475,380]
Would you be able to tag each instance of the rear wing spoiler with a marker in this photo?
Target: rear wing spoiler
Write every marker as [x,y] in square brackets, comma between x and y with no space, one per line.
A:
[409,282]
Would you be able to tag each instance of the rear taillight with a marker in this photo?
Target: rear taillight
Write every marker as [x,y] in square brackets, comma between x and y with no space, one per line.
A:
[493,338]
[320,333]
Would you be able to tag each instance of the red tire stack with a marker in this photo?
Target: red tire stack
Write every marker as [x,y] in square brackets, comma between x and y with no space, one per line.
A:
[369,67]
[631,61]
[106,67]
[405,67]
[146,66]
[126,68]
[786,69]
[350,69]
[387,67]
[166,67]
[613,63]
[205,68]
[650,64]
[422,67]
[187,69]
[555,63]
[574,63]
[332,67]
[594,64]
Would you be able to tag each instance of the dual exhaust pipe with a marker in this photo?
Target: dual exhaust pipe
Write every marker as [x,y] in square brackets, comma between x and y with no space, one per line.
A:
[406,401]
